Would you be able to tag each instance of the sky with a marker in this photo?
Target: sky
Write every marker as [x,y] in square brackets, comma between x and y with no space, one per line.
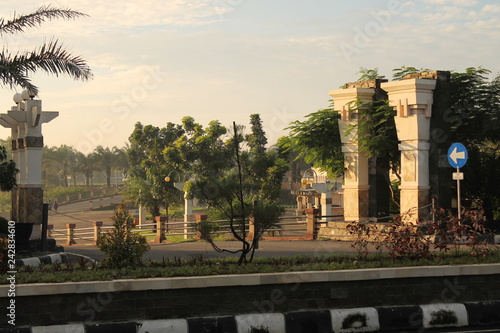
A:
[156,61]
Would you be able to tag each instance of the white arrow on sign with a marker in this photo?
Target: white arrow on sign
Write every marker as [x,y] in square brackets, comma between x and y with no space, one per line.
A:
[456,155]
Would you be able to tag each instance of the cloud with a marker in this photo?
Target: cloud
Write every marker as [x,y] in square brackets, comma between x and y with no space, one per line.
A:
[105,16]
[461,3]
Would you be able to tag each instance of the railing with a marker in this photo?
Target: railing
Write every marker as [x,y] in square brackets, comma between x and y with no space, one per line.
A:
[289,227]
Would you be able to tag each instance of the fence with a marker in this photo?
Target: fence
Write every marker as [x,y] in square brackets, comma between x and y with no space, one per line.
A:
[289,228]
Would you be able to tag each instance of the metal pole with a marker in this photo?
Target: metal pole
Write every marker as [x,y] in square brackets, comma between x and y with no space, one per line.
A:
[459,204]
[45,221]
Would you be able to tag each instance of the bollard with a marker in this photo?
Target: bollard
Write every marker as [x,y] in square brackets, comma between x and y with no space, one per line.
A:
[70,232]
[79,196]
[50,227]
[91,203]
[97,232]
[311,219]
[160,229]
[199,218]
[251,228]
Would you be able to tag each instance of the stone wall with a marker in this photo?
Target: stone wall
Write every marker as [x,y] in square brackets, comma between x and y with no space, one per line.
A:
[170,298]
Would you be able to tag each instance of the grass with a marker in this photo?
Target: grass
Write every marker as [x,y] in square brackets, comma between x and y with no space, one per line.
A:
[199,266]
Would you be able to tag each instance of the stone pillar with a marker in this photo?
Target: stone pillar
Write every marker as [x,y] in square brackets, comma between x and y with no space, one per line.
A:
[97,232]
[25,120]
[311,221]
[160,229]
[412,99]
[199,218]
[356,185]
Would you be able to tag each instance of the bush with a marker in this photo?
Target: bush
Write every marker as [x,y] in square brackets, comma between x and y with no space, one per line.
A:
[122,247]
[405,240]
[4,225]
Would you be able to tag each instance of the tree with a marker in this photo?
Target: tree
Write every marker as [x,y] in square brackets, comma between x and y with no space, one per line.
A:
[317,140]
[59,160]
[475,122]
[230,180]
[149,166]
[121,246]
[86,165]
[121,160]
[50,57]
[105,158]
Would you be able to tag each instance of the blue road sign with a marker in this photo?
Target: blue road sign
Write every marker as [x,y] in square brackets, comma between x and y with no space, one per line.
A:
[457,155]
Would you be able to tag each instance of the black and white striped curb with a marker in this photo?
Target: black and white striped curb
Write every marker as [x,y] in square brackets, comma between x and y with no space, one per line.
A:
[370,319]
[43,260]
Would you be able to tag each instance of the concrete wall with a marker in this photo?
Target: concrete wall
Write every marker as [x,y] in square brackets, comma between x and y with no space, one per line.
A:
[171,298]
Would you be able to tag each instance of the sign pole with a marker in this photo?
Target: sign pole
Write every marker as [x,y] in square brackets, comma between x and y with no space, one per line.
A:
[457,157]
[459,204]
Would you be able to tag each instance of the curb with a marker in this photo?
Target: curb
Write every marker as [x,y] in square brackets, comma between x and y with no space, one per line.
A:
[43,260]
[370,319]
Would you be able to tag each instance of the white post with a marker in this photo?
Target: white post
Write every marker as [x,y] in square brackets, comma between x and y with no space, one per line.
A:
[188,214]
[142,215]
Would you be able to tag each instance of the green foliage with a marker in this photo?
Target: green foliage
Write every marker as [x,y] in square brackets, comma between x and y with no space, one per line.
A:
[317,140]
[200,266]
[227,178]
[376,132]
[8,171]
[399,73]
[369,74]
[122,247]
[475,120]
[150,161]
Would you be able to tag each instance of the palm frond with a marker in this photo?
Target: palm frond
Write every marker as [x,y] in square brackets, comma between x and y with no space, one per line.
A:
[44,13]
[11,75]
[50,57]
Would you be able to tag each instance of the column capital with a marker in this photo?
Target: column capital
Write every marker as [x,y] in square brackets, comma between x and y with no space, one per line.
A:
[411,96]
[343,98]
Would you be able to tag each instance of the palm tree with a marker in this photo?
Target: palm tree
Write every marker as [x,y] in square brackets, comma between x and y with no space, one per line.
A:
[86,165]
[50,57]
[60,161]
[105,159]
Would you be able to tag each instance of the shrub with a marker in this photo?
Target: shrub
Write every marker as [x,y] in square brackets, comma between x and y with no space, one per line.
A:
[405,240]
[4,225]
[120,245]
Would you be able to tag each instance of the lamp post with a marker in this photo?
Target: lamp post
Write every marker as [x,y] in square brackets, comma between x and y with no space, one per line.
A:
[188,203]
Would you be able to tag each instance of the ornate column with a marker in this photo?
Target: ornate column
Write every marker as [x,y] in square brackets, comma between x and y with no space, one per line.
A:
[356,184]
[412,99]
[25,120]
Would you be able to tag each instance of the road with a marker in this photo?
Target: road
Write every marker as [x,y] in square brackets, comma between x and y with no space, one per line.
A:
[201,248]
[79,214]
